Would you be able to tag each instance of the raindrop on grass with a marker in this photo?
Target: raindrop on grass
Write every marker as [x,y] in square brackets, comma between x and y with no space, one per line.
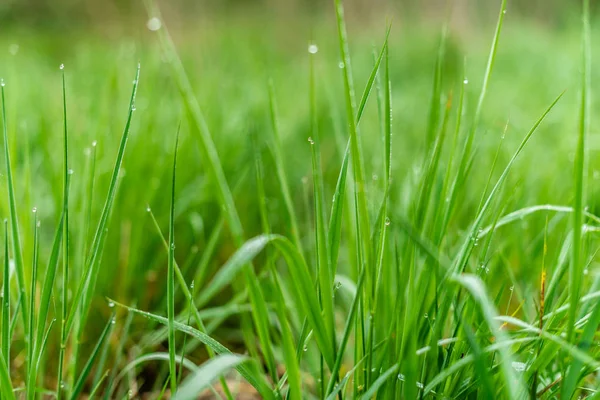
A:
[519,366]
[466,81]
[94,143]
[311,141]
[153,24]
[111,304]
[2,83]
[312,48]
[148,209]
[62,66]
[34,210]
[70,171]
[341,65]
[387,221]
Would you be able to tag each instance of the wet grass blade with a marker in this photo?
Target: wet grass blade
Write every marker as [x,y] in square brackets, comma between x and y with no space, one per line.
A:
[14,221]
[6,388]
[206,374]
[575,269]
[171,278]
[253,377]
[93,263]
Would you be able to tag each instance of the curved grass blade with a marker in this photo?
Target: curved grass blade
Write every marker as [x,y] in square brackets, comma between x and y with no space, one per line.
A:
[253,377]
[207,373]
[14,221]
[144,359]
[514,385]
[31,341]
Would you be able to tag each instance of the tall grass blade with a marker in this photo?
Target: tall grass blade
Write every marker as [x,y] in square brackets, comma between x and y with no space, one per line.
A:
[171,277]
[14,221]
[575,270]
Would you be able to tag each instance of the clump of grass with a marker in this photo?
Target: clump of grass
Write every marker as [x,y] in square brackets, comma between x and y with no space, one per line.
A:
[392,291]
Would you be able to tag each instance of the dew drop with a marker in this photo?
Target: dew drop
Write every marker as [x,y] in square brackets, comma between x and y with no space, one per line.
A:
[62,66]
[70,171]
[387,221]
[375,177]
[305,348]
[34,210]
[426,316]
[311,141]
[192,285]
[2,83]
[94,143]
[133,108]
[519,366]
[111,304]
[466,81]
[113,321]
[148,209]
[585,271]
[153,24]
[512,288]
[341,65]
[172,246]
[312,48]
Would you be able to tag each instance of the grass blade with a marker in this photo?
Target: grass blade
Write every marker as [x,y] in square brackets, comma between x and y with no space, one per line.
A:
[207,373]
[14,221]
[6,301]
[575,270]
[171,278]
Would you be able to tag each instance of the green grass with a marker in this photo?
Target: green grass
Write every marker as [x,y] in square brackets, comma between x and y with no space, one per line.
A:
[433,238]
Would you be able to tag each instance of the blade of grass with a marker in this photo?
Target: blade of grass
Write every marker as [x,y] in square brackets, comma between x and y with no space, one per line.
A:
[252,376]
[207,373]
[171,277]
[31,341]
[93,264]
[579,176]
[6,301]
[14,221]
[87,368]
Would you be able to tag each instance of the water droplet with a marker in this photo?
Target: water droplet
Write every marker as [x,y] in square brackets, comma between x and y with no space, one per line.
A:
[62,66]
[503,11]
[34,210]
[426,315]
[375,177]
[111,304]
[2,83]
[512,288]
[113,321]
[134,81]
[311,141]
[153,24]
[387,221]
[70,171]
[94,143]
[148,209]
[62,385]
[341,65]
[172,246]
[312,48]
[133,108]
[39,223]
[373,369]
[13,49]
[305,348]
[466,81]
[585,271]
[192,285]
[519,366]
